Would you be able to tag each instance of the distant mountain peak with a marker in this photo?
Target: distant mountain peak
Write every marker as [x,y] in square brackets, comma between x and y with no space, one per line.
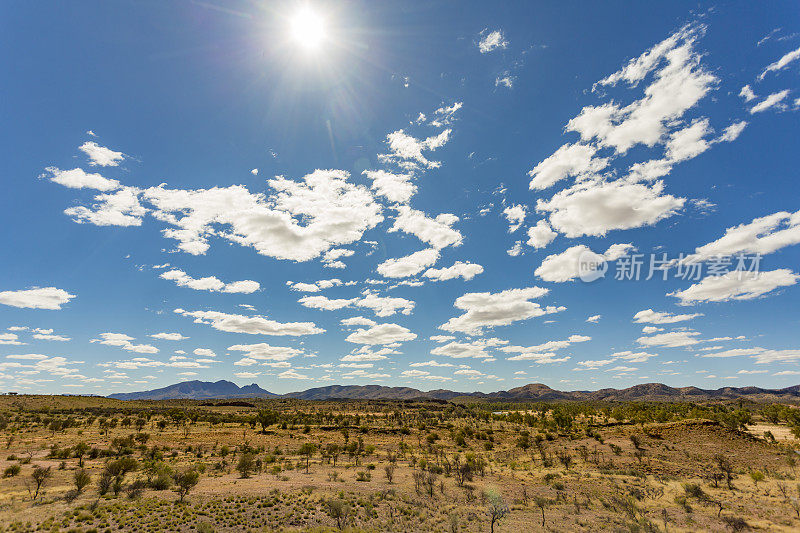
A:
[223,389]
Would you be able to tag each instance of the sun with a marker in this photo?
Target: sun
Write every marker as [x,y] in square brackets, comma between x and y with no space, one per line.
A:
[307,28]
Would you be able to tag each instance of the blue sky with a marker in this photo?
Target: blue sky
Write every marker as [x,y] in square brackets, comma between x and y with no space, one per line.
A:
[301,194]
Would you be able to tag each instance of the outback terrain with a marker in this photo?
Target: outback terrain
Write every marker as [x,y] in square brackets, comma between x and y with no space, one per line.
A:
[85,464]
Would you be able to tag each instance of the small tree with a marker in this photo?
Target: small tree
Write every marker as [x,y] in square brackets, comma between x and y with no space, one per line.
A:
[81,478]
[40,477]
[80,450]
[541,503]
[185,481]
[756,477]
[246,465]
[726,467]
[307,449]
[340,511]
[496,508]
[389,469]
[266,418]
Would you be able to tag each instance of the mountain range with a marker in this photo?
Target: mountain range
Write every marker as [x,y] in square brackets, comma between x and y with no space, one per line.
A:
[205,390]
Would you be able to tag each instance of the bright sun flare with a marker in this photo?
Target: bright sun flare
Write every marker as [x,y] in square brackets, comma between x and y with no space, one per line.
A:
[307,28]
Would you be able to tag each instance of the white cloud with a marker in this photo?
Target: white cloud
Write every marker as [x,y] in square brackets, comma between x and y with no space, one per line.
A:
[407,151]
[265,352]
[764,235]
[780,63]
[298,221]
[515,214]
[413,373]
[409,265]
[541,234]
[491,40]
[49,337]
[670,339]
[380,305]
[437,232]
[732,132]
[569,160]
[396,188]
[566,266]
[77,178]
[505,81]
[291,374]
[465,270]
[516,250]
[169,336]
[543,350]
[325,303]
[736,286]
[381,334]
[384,305]
[124,341]
[689,142]
[36,298]
[648,316]
[100,155]
[253,325]
[254,172]
[357,321]
[594,319]
[121,208]
[597,207]
[483,309]
[10,339]
[431,363]
[210,283]
[747,93]
[773,100]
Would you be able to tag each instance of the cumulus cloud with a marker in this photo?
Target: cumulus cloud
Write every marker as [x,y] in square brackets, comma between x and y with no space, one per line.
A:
[210,283]
[437,232]
[10,339]
[597,207]
[566,266]
[543,353]
[169,336]
[407,152]
[396,188]
[764,235]
[736,286]
[486,310]
[409,265]
[77,178]
[381,334]
[265,352]
[121,208]
[594,319]
[124,341]
[515,214]
[670,339]
[648,316]
[571,160]
[747,93]
[253,325]
[36,298]
[541,234]
[491,40]
[100,155]
[465,270]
